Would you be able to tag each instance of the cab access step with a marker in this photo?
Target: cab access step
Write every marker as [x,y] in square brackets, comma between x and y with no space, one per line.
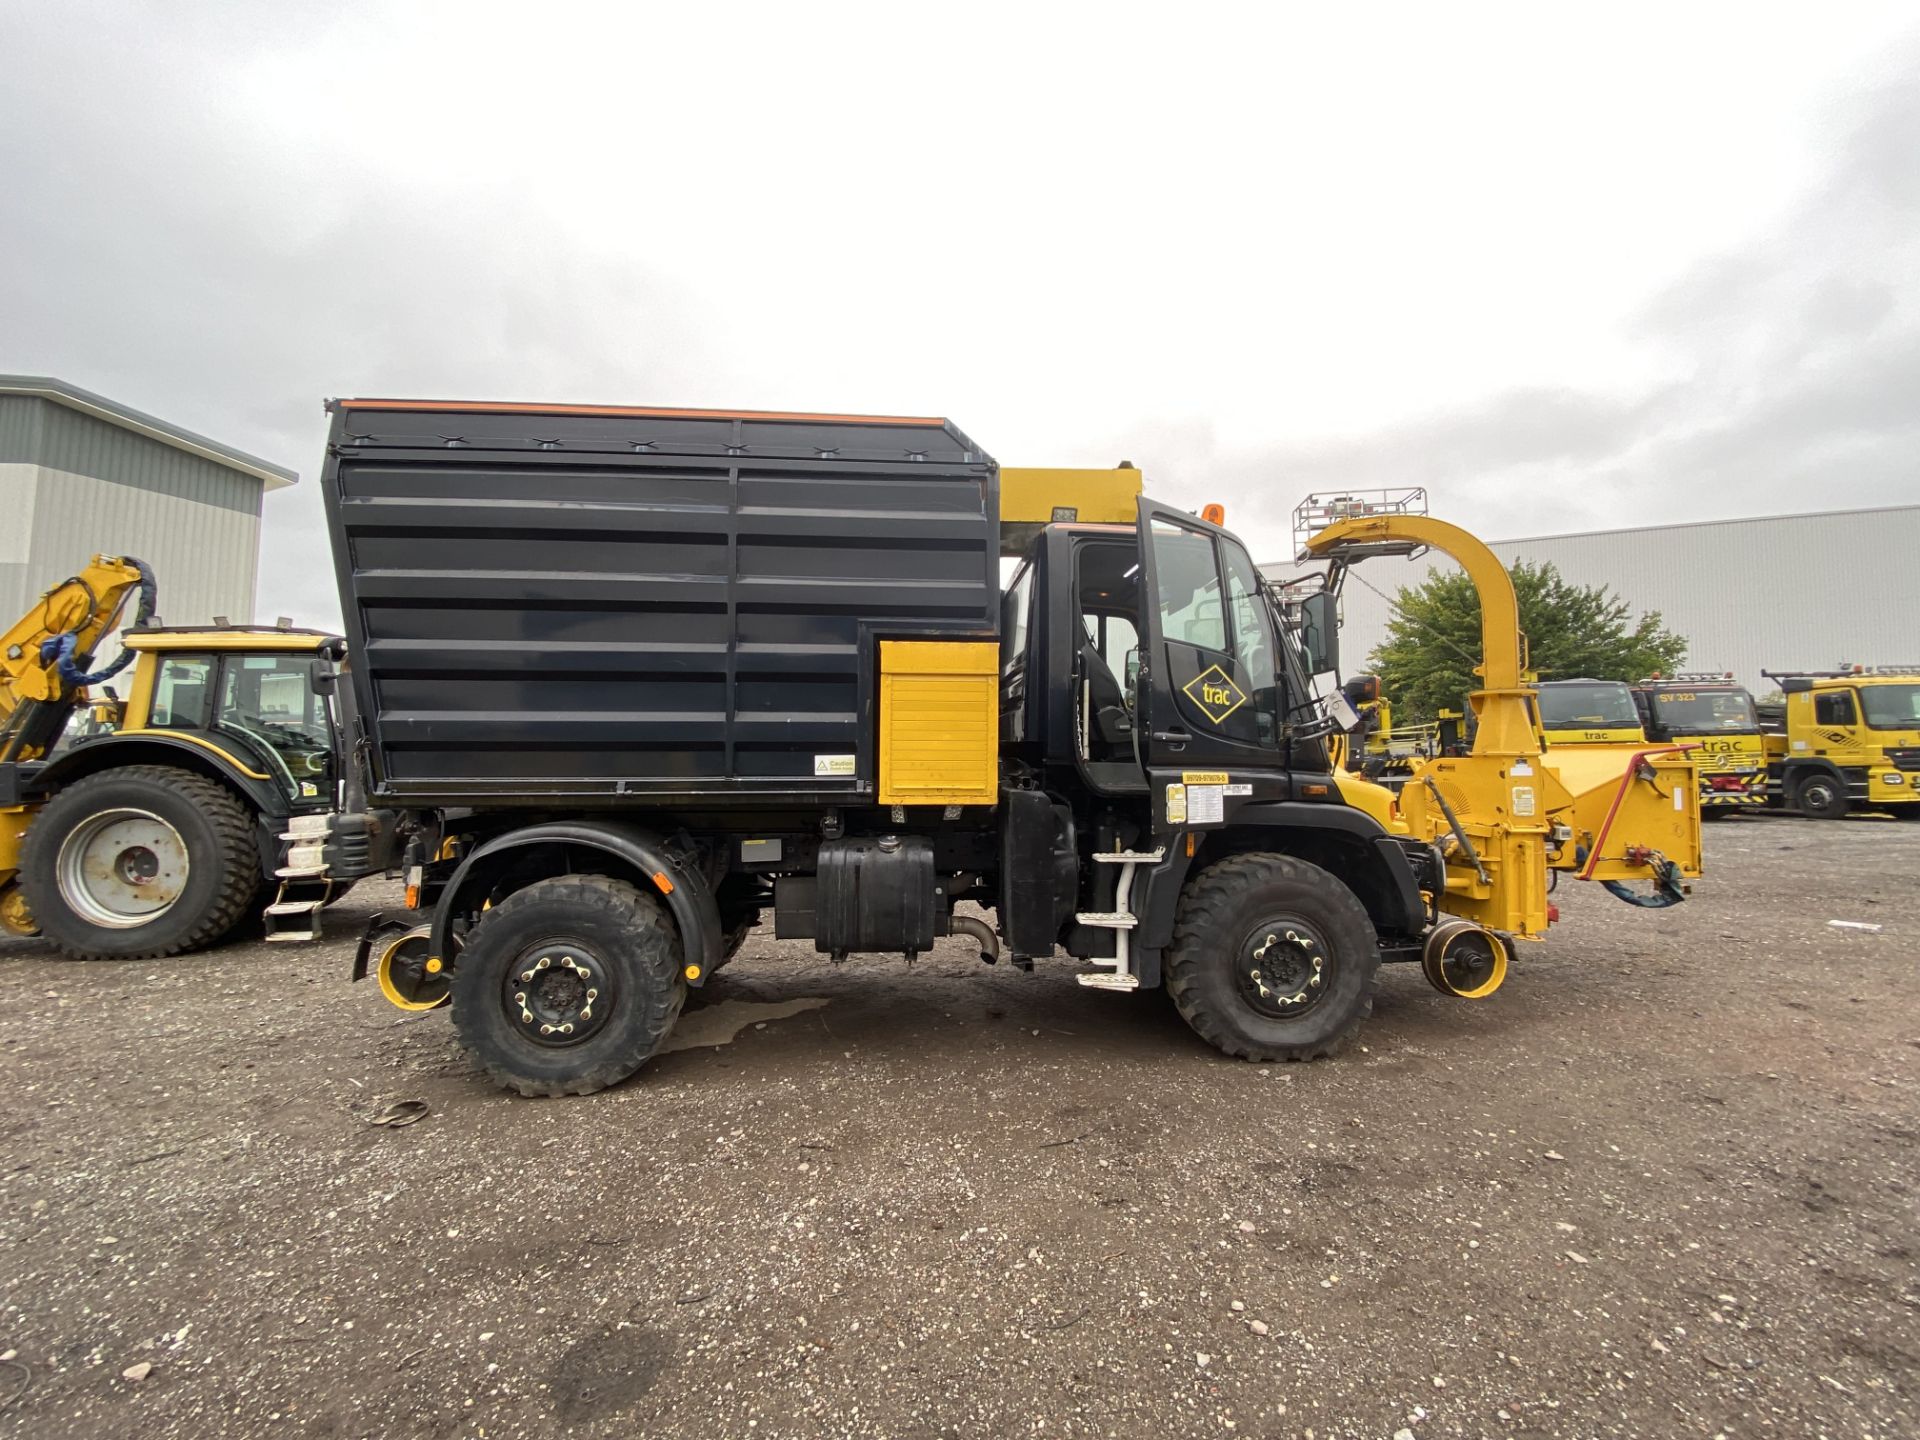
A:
[1118,974]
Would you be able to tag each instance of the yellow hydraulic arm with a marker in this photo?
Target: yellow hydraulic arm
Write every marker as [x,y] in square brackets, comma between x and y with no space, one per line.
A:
[44,652]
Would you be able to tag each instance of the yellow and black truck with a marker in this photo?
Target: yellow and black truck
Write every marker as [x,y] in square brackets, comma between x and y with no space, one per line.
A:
[635,679]
[1845,740]
[1715,718]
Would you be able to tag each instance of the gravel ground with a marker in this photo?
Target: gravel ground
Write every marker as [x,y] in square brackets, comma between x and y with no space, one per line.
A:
[1663,1184]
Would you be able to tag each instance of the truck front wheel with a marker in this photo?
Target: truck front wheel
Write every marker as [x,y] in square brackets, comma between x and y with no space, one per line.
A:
[1272,959]
[568,986]
[1822,797]
[138,863]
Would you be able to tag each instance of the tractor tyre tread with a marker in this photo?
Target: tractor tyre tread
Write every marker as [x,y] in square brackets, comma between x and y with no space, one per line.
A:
[220,914]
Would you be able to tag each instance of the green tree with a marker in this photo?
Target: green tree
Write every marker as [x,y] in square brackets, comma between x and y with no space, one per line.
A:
[1433,640]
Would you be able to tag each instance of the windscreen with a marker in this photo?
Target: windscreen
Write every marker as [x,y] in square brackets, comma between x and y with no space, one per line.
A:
[1700,712]
[1891,707]
[1602,704]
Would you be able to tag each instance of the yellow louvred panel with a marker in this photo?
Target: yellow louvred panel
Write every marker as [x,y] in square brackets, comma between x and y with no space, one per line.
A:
[939,722]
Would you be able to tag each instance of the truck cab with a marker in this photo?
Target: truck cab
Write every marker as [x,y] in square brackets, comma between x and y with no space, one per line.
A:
[1589,712]
[1845,740]
[1716,720]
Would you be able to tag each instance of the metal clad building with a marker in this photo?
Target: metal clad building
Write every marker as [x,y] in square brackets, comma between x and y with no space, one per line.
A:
[82,475]
[1776,592]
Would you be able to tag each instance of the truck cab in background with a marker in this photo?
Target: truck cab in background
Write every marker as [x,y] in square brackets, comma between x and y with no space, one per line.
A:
[1716,720]
[1845,740]
[1588,712]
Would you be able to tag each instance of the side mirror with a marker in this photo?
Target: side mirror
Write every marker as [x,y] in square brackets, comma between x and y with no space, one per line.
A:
[323,677]
[1320,633]
[1133,669]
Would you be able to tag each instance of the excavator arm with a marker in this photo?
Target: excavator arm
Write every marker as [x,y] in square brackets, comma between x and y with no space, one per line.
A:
[44,653]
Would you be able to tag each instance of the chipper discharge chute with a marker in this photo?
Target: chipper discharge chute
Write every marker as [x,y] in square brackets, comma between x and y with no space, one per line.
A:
[1511,811]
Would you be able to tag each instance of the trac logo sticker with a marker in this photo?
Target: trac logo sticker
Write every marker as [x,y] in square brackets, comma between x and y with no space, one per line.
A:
[1215,693]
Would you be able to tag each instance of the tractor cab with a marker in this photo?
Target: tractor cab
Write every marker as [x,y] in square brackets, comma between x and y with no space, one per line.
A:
[256,698]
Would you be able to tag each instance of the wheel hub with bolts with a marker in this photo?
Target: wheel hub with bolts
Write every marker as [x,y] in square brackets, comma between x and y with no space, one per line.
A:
[122,868]
[557,994]
[1282,969]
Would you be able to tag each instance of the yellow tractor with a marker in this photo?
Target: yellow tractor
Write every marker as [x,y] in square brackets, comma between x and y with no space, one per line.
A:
[206,801]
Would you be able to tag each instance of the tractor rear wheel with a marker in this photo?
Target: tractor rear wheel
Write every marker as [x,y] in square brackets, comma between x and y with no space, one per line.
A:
[568,986]
[1272,959]
[139,863]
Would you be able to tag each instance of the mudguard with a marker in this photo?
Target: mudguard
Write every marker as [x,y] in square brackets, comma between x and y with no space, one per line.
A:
[689,897]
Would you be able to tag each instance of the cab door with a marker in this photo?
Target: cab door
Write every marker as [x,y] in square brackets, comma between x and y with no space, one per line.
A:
[1209,691]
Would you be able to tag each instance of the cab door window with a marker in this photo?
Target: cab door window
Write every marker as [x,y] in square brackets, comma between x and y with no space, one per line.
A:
[1190,608]
[1835,707]
[183,693]
[270,700]
[1252,636]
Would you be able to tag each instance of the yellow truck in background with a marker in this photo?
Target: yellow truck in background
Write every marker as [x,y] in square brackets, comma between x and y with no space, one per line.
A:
[1716,718]
[1589,712]
[1842,740]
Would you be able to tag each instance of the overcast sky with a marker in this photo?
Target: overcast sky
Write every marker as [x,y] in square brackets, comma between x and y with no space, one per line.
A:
[1567,268]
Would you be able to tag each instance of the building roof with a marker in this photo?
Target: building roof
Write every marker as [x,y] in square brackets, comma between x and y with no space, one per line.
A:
[45,387]
[1698,524]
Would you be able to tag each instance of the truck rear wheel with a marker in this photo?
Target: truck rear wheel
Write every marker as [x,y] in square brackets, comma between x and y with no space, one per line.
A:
[139,863]
[1272,959]
[568,986]
[1821,797]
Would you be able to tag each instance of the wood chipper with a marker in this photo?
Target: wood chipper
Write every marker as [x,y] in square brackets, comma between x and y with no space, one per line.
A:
[636,679]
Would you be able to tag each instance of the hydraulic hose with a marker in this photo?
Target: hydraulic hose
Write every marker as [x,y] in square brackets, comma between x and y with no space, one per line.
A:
[58,649]
[1666,890]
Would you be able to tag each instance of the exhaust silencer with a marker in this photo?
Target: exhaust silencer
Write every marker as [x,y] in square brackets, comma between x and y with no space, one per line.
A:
[1464,960]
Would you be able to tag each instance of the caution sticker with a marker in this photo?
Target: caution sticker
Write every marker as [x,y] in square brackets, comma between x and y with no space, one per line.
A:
[833,765]
[1522,800]
[1215,692]
[1176,804]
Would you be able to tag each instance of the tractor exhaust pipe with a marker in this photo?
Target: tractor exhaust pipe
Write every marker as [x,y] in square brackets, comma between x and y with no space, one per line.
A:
[1464,960]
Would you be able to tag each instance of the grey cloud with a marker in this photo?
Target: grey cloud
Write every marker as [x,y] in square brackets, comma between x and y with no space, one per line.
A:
[1794,362]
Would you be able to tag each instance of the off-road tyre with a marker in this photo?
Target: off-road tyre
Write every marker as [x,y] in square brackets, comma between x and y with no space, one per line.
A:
[1821,797]
[1244,901]
[217,829]
[628,942]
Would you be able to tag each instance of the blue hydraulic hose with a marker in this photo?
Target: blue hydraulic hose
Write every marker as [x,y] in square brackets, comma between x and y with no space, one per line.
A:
[58,649]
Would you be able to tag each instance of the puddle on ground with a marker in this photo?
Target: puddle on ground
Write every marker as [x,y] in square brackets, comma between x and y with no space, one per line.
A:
[719,1024]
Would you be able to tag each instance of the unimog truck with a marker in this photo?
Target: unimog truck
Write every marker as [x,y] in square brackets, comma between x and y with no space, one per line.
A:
[636,680]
